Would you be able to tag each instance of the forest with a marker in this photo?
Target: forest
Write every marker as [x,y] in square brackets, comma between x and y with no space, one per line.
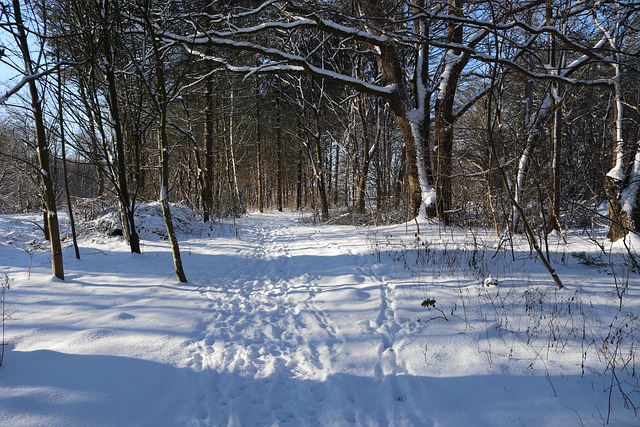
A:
[339,212]
[517,116]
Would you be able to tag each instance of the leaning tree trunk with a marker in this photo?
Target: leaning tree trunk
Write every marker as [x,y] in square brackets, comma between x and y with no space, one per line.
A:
[49,196]
[164,200]
[533,124]
[161,102]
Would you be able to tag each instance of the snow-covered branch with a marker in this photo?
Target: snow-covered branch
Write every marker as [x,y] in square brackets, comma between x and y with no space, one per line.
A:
[283,61]
[24,80]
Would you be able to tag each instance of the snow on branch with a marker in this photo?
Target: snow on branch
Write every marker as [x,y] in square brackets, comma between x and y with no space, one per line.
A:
[283,61]
[325,25]
[239,15]
[16,88]
[271,25]
[23,82]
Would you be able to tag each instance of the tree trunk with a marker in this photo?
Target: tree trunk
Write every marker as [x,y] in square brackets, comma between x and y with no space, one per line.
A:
[207,188]
[128,214]
[336,192]
[232,173]
[64,167]
[299,180]
[533,125]
[454,61]
[259,151]
[319,170]
[622,181]
[553,212]
[46,181]
[410,121]
[279,154]
[361,189]
[161,103]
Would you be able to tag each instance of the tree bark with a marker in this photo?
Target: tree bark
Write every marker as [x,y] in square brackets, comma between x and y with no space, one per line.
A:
[259,151]
[46,181]
[553,211]
[318,165]
[279,155]
[128,214]
[299,179]
[621,182]
[361,191]
[455,60]
[161,104]
[207,188]
[63,147]
[232,173]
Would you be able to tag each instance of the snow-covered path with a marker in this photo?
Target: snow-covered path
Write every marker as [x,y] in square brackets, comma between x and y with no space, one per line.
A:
[282,323]
[290,309]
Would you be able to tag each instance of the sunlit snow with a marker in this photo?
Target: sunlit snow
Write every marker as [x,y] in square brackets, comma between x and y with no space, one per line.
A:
[287,322]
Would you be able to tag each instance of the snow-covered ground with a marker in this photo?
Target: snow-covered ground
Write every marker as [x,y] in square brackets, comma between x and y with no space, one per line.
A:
[284,322]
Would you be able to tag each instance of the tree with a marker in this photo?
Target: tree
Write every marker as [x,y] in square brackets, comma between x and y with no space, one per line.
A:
[622,182]
[161,101]
[295,17]
[91,36]
[19,31]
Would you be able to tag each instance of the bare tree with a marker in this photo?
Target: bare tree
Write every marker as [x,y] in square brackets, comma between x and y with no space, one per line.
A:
[161,101]
[48,192]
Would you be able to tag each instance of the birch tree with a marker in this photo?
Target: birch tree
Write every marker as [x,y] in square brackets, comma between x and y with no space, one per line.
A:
[622,182]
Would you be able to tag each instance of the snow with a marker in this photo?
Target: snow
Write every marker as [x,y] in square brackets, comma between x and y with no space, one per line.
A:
[163,193]
[616,173]
[416,119]
[286,322]
[15,88]
[451,59]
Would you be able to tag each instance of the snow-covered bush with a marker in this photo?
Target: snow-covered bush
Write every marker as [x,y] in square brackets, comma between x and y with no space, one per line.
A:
[149,221]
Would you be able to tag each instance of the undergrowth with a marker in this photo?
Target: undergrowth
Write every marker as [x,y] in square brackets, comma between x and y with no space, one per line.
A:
[594,326]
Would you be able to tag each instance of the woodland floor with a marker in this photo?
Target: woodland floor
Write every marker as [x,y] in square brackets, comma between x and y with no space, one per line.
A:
[286,322]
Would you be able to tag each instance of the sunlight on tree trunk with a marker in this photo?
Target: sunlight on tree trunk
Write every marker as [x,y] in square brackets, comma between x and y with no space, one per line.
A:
[49,197]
